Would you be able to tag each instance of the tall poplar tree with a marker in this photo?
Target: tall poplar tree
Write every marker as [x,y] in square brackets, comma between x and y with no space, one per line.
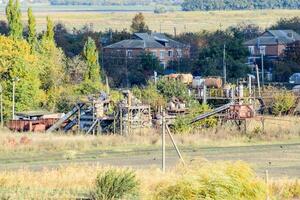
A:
[9,11]
[13,14]
[49,34]
[32,39]
[90,53]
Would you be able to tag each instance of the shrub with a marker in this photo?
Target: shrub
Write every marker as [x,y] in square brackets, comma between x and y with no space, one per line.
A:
[286,189]
[115,184]
[182,123]
[173,88]
[216,181]
[149,95]
[283,102]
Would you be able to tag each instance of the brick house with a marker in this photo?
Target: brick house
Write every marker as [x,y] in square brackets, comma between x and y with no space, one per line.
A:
[271,44]
[161,46]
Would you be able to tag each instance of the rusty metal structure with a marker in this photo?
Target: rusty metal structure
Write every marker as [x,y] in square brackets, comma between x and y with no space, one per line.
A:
[133,114]
[33,121]
[96,116]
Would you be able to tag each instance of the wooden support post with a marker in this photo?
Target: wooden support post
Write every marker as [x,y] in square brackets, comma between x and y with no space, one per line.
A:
[174,144]
[140,122]
[258,82]
[245,126]
[114,123]
[204,94]
[263,124]
[163,142]
[267,184]
[128,122]
[121,121]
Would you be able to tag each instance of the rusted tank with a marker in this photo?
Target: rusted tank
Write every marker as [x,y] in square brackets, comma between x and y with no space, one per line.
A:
[240,112]
[213,82]
[39,125]
[185,78]
[172,76]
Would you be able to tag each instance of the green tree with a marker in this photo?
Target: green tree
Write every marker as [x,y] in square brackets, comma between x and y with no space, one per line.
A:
[210,60]
[49,34]
[139,24]
[13,14]
[173,88]
[32,38]
[52,63]
[9,11]
[17,61]
[90,54]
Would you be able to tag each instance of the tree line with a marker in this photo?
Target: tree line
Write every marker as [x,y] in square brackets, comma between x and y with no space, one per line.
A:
[113,2]
[193,5]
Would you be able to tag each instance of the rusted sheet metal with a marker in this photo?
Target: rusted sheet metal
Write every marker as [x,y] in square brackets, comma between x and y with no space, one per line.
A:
[39,125]
[240,112]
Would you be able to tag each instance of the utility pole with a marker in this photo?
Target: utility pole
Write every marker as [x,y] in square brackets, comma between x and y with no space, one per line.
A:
[224,64]
[163,142]
[257,79]
[262,70]
[1,105]
[175,32]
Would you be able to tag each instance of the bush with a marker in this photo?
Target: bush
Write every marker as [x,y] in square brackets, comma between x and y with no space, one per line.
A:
[173,88]
[182,123]
[283,102]
[217,181]
[149,95]
[115,184]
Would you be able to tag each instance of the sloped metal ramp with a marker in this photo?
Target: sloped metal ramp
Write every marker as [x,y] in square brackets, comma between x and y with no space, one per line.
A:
[213,112]
[64,118]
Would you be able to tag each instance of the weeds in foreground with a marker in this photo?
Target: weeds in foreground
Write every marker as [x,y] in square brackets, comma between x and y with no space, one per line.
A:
[210,180]
[216,181]
[115,184]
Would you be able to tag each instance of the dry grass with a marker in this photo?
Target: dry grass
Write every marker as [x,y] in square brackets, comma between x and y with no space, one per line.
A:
[76,181]
[282,129]
[183,21]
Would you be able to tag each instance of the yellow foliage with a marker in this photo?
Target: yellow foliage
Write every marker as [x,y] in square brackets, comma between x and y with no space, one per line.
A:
[10,49]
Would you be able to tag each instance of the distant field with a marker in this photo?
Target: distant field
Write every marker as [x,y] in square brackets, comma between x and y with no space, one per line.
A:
[183,21]
[120,8]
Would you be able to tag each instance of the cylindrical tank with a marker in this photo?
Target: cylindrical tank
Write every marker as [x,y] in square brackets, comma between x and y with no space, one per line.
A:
[185,78]
[213,82]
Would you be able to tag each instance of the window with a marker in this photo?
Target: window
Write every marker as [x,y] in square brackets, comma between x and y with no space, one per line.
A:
[162,54]
[129,53]
[163,65]
[170,53]
[262,50]
[179,52]
[251,49]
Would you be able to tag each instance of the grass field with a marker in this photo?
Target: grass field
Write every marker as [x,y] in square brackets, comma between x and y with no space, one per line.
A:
[40,166]
[276,149]
[183,21]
